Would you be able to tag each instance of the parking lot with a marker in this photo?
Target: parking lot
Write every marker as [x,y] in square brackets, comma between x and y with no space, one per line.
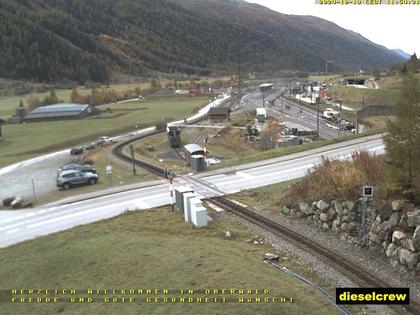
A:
[16,179]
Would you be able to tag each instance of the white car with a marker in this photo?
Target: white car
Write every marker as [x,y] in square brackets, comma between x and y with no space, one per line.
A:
[104,140]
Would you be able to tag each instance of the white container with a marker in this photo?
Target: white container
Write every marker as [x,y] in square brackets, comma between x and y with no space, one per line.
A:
[199,216]
[179,196]
[187,205]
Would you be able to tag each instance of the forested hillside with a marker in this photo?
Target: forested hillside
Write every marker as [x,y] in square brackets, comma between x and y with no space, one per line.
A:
[80,40]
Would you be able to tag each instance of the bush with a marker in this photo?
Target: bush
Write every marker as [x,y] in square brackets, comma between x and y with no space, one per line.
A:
[161,125]
[339,179]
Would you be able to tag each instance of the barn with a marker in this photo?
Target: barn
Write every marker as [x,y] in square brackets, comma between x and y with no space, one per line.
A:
[61,112]
[219,114]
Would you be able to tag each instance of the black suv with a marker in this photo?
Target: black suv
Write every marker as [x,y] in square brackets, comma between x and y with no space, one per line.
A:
[81,167]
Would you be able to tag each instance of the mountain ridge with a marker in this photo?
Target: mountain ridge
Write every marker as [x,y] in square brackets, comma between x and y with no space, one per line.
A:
[80,40]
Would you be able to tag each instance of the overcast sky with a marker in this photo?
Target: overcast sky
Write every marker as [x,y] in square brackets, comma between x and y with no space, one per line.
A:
[393,26]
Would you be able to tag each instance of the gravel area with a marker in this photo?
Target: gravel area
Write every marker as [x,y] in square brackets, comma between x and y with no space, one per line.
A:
[16,179]
[329,275]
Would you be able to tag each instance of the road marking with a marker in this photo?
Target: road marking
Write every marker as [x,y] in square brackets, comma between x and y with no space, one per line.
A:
[65,217]
[377,148]
[25,216]
[245,175]
[12,231]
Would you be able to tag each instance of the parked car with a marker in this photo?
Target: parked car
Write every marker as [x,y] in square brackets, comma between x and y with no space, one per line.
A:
[90,146]
[77,150]
[104,140]
[84,168]
[71,178]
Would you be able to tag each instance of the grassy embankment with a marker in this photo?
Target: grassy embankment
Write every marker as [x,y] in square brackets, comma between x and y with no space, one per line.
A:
[154,249]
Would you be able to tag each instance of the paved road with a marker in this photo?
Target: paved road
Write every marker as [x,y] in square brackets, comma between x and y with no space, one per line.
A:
[16,226]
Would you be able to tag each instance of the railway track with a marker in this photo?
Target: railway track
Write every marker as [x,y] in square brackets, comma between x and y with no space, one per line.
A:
[118,151]
[322,133]
[343,265]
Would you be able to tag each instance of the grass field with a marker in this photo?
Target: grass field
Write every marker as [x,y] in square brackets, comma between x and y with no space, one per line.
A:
[8,104]
[154,250]
[265,197]
[24,141]
[354,97]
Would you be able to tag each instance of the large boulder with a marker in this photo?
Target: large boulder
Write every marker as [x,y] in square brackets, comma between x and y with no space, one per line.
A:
[398,237]
[396,206]
[286,210]
[392,250]
[394,219]
[403,222]
[325,226]
[338,208]
[408,258]
[322,205]
[326,216]
[413,218]
[416,234]
[414,243]
[376,227]
[306,208]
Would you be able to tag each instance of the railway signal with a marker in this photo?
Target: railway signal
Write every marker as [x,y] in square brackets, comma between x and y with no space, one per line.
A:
[171,188]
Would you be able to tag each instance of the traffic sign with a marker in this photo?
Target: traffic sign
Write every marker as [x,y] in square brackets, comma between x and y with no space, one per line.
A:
[109,169]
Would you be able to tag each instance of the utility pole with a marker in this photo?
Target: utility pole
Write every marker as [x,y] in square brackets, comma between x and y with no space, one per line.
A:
[239,73]
[326,65]
[133,160]
[263,98]
[357,122]
[317,115]
[33,188]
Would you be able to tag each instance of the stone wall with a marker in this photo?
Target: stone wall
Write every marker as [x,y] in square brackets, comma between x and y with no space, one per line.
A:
[392,227]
